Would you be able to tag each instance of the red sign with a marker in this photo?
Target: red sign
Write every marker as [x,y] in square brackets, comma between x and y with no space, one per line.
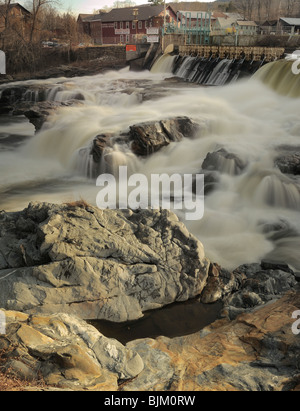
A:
[130,48]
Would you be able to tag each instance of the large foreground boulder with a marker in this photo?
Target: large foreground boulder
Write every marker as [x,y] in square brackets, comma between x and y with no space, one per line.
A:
[97,264]
[258,351]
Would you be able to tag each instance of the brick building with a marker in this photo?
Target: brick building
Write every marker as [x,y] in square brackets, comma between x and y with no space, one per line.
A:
[125,25]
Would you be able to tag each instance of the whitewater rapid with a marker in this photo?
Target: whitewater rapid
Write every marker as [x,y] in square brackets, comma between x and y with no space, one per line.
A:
[246,118]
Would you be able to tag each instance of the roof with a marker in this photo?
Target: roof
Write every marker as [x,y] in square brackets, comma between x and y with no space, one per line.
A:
[218,14]
[290,21]
[12,5]
[270,23]
[226,23]
[145,12]
[84,17]
[194,14]
[188,6]
[246,23]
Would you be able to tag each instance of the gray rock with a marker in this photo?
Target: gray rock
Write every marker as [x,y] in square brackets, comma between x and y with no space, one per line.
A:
[66,352]
[220,284]
[261,284]
[147,138]
[289,163]
[224,162]
[254,352]
[158,370]
[97,264]
[38,113]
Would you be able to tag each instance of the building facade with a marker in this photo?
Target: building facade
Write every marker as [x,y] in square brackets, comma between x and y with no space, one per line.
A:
[246,28]
[287,25]
[140,24]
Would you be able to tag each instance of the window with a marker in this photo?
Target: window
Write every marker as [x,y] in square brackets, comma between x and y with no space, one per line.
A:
[121,24]
[122,39]
[116,25]
[127,38]
[140,25]
[133,25]
[127,24]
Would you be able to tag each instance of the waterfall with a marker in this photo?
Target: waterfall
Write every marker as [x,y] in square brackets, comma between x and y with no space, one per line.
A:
[164,64]
[207,71]
[243,125]
[279,76]
[220,74]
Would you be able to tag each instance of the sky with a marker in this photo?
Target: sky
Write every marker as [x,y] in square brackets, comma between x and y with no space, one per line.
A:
[88,6]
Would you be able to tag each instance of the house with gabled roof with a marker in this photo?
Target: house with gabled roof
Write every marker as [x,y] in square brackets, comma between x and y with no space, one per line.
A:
[246,28]
[125,25]
[289,25]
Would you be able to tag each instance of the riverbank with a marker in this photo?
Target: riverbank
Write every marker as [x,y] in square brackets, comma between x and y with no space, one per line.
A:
[82,62]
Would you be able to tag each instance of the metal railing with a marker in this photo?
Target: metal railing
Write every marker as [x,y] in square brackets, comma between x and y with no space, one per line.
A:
[196,29]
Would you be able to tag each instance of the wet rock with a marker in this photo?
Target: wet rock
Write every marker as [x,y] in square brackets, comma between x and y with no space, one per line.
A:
[224,162]
[289,163]
[271,265]
[100,143]
[9,96]
[148,138]
[97,264]
[142,139]
[211,181]
[38,113]
[65,352]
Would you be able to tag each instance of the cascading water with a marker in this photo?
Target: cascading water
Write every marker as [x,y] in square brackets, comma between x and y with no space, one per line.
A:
[207,71]
[246,118]
[280,77]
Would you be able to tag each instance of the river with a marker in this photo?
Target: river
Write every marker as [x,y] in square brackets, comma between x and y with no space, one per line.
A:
[247,217]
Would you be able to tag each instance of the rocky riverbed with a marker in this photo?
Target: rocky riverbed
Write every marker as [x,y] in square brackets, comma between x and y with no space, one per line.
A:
[94,299]
[64,265]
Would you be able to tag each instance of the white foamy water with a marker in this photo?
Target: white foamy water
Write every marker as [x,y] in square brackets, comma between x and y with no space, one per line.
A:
[246,118]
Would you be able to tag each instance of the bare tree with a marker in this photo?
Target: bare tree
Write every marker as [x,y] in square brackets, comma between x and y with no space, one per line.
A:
[245,8]
[36,8]
[5,19]
[290,6]
[259,4]
[268,8]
